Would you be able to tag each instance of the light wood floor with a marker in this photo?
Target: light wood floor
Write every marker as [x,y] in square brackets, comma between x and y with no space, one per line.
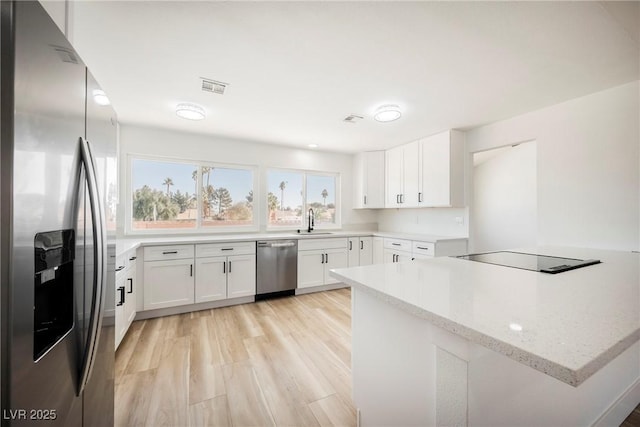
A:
[277,362]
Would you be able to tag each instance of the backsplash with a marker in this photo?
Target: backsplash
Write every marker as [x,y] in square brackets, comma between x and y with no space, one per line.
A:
[436,221]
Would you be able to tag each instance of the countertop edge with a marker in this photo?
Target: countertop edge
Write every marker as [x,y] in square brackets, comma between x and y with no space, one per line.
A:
[553,369]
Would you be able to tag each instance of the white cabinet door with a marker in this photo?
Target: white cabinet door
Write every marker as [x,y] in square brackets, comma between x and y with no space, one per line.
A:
[393,172]
[211,279]
[130,294]
[353,249]
[410,174]
[120,301]
[373,196]
[241,276]
[366,251]
[391,256]
[378,250]
[310,268]
[359,184]
[168,283]
[334,258]
[442,169]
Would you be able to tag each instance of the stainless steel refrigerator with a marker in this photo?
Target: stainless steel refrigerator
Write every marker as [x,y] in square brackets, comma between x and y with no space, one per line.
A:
[57,228]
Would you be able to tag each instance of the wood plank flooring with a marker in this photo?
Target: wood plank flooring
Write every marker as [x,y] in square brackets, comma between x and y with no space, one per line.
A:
[279,362]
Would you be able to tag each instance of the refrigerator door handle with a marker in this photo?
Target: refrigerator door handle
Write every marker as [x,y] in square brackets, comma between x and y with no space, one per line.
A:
[99,275]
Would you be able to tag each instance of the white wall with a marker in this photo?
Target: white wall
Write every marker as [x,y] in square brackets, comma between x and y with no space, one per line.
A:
[172,144]
[588,152]
[503,212]
[436,221]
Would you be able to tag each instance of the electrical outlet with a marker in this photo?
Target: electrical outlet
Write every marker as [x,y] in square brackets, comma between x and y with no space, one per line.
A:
[459,220]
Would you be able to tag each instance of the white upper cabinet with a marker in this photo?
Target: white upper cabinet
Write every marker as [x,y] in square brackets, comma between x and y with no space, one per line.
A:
[441,182]
[402,170]
[426,173]
[369,179]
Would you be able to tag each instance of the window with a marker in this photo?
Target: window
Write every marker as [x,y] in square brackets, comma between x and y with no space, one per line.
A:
[174,196]
[227,196]
[321,197]
[284,198]
[292,193]
[163,195]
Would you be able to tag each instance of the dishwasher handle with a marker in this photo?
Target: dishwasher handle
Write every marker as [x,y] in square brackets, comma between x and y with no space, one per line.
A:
[276,244]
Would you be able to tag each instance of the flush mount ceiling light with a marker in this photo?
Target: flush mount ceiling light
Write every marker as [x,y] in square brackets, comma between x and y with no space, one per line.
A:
[100,97]
[190,111]
[312,145]
[387,113]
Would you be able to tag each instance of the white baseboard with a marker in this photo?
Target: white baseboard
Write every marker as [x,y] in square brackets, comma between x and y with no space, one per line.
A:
[302,291]
[169,311]
[620,410]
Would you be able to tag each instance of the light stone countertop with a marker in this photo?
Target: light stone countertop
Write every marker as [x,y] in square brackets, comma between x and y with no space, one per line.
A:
[126,244]
[573,323]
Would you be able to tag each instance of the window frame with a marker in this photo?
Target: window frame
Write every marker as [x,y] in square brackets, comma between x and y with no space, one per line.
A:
[199,228]
[337,225]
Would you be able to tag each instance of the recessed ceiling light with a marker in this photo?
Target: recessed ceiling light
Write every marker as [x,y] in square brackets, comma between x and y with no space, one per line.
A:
[515,327]
[190,111]
[100,97]
[312,145]
[387,113]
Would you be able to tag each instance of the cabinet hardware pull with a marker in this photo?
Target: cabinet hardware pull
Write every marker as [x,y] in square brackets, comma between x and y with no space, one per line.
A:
[169,252]
[361,244]
[419,197]
[350,245]
[398,198]
[224,267]
[190,270]
[226,249]
[121,290]
[420,247]
[229,266]
[365,200]
[130,285]
[322,262]
[326,257]
[133,258]
[402,198]
[396,244]
[120,268]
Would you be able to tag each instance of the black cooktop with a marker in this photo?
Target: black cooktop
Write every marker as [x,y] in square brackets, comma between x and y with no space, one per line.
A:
[534,262]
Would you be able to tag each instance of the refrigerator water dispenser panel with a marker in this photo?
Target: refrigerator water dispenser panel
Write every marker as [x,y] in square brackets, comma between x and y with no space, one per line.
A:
[53,289]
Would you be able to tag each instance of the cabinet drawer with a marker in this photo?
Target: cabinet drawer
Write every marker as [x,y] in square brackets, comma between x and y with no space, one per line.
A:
[424,248]
[158,253]
[313,244]
[398,244]
[224,249]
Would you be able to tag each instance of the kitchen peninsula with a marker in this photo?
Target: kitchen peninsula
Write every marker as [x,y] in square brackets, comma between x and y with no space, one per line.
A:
[449,341]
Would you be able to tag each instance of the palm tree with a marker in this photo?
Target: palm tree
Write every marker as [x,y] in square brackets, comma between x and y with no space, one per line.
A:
[325,193]
[282,186]
[168,182]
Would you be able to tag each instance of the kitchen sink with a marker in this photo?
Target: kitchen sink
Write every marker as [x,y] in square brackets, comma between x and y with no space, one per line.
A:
[303,234]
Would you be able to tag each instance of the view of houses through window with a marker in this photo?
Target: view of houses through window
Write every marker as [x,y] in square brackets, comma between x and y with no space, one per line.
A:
[171,195]
[165,195]
[289,191]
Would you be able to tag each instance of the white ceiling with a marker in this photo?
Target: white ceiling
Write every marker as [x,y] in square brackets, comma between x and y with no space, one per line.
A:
[296,69]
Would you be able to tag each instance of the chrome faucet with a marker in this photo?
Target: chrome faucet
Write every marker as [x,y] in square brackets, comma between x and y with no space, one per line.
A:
[310,220]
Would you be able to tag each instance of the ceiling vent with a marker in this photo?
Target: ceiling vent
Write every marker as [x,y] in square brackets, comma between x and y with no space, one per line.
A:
[352,118]
[213,86]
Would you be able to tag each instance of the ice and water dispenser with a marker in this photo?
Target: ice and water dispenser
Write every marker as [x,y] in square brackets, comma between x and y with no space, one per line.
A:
[53,289]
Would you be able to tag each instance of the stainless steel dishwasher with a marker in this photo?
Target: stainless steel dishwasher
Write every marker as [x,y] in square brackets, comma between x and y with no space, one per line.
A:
[277,268]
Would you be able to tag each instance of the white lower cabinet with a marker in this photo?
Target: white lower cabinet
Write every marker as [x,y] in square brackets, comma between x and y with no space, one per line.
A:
[169,282]
[377,248]
[219,278]
[360,251]
[125,294]
[316,257]
[225,276]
